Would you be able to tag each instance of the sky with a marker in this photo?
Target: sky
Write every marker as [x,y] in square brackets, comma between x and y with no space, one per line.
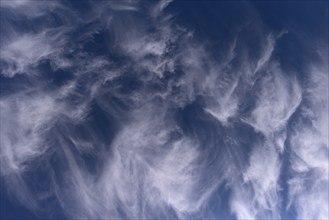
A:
[169,109]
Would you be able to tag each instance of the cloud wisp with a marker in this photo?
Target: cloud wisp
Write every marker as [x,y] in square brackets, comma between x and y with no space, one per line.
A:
[118,110]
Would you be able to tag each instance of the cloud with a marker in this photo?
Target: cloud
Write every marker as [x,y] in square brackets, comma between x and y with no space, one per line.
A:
[25,121]
[281,91]
[130,115]
[308,186]
[260,188]
[30,8]
[24,52]
[159,7]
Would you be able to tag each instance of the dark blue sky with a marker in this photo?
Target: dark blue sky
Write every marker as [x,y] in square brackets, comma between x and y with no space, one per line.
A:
[183,109]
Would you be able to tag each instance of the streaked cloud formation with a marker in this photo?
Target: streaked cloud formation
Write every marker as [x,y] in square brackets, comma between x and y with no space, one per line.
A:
[118,109]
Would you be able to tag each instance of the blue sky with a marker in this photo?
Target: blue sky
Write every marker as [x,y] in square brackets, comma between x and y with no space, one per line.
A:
[164,109]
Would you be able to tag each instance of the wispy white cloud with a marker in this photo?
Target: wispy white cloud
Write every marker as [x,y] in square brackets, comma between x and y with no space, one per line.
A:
[24,121]
[159,7]
[308,186]
[147,164]
[23,53]
[279,97]
[30,8]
